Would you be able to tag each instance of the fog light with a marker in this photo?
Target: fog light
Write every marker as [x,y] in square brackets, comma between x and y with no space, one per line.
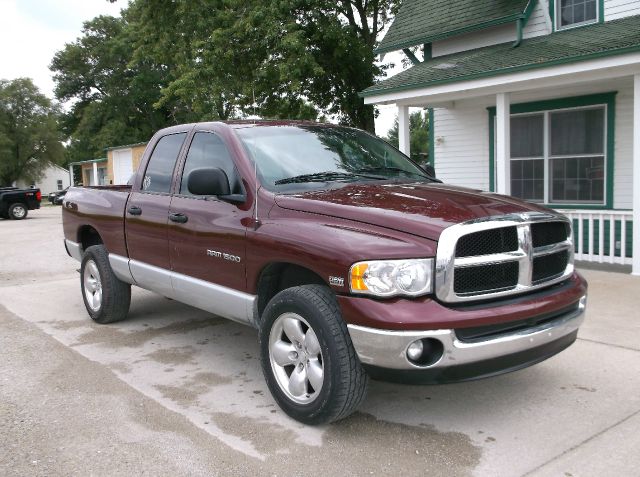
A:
[414,351]
[425,352]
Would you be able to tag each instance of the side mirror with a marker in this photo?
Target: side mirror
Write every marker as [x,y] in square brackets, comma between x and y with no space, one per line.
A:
[208,181]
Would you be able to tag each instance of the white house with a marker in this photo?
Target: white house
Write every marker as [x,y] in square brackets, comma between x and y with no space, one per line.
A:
[539,99]
[54,178]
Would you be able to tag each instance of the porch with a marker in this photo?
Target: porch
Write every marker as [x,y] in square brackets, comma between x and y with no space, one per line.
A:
[481,137]
[92,172]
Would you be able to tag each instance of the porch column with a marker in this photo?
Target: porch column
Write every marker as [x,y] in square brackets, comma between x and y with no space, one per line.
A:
[95,174]
[503,146]
[403,130]
[71,175]
[636,175]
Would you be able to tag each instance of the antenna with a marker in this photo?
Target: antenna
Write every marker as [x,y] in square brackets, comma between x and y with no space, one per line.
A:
[254,102]
[255,206]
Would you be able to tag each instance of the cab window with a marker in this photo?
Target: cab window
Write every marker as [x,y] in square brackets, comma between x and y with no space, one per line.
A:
[157,177]
[206,151]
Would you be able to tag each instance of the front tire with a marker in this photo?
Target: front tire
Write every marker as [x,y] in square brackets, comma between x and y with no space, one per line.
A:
[106,297]
[18,211]
[307,356]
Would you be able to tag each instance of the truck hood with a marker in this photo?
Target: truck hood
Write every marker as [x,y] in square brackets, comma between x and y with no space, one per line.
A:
[415,207]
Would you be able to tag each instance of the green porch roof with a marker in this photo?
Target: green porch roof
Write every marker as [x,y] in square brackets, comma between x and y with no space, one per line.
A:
[424,21]
[569,46]
[89,161]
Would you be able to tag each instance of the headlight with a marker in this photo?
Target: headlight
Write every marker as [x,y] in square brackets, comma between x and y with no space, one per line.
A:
[387,278]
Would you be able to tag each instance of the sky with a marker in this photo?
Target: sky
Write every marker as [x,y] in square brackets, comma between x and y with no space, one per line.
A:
[32,31]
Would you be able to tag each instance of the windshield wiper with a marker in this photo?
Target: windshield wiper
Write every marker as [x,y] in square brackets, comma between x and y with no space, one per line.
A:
[392,169]
[325,177]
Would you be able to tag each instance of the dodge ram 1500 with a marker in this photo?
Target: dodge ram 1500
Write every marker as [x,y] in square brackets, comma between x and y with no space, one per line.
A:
[350,259]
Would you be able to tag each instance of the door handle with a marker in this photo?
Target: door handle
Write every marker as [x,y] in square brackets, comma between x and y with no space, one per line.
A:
[134,210]
[180,218]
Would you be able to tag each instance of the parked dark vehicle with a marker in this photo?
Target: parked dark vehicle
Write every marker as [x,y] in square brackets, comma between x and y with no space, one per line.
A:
[57,197]
[16,203]
[352,261]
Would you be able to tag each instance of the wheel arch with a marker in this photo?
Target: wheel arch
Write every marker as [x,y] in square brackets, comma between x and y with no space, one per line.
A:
[277,276]
[88,236]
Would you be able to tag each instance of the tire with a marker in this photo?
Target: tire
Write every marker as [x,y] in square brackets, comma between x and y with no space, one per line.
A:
[106,298]
[18,211]
[292,360]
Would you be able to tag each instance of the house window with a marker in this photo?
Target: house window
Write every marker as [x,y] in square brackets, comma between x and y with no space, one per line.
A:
[575,12]
[59,183]
[558,156]
[102,175]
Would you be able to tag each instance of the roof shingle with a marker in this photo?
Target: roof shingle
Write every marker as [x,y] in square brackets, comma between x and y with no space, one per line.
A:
[568,46]
[424,21]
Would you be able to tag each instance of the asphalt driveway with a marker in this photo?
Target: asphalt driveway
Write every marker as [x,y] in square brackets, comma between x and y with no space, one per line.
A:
[176,391]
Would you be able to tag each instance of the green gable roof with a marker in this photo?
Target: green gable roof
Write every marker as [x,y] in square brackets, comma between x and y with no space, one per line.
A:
[424,21]
[577,44]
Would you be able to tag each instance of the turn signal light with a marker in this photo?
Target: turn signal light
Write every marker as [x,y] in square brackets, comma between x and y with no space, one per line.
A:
[357,277]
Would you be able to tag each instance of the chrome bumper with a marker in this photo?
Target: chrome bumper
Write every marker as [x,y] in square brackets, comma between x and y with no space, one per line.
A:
[388,349]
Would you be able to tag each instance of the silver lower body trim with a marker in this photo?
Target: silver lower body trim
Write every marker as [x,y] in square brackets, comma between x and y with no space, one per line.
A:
[222,301]
[120,267]
[217,299]
[388,349]
[74,249]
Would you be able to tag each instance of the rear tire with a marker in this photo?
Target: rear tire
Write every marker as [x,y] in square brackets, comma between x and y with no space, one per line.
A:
[106,297]
[18,211]
[308,360]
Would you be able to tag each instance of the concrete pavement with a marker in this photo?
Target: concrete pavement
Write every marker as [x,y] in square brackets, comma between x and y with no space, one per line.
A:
[185,388]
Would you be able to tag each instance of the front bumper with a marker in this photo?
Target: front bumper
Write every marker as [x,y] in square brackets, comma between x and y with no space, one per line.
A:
[384,353]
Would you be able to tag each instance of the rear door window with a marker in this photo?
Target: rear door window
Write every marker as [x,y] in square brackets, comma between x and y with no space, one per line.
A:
[157,177]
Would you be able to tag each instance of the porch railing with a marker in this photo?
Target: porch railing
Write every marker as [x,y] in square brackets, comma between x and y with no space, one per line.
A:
[602,236]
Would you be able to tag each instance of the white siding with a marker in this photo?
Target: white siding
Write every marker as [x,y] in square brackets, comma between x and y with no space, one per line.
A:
[620,8]
[623,161]
[536,26]
[49,180]
[539,23]
[462,145]
[462,137]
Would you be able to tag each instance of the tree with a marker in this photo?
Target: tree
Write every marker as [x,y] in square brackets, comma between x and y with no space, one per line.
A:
[29,137]
[284,58]
[164,63]
[112,99]
[418,135]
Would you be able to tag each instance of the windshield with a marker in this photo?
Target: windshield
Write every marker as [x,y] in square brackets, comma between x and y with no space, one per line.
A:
[294,157]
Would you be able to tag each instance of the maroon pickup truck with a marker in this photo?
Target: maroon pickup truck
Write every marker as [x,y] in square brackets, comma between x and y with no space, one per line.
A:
[350,259]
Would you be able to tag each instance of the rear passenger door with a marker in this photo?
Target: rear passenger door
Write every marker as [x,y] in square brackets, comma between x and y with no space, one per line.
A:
[210,244]
[147,210]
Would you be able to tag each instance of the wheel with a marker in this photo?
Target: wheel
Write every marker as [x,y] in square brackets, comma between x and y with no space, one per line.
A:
[106,298]
[307,356]
[18,211]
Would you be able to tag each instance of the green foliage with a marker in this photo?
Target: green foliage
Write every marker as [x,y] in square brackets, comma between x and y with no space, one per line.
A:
[112,100]
[418,136]
[170,62]
[29,137]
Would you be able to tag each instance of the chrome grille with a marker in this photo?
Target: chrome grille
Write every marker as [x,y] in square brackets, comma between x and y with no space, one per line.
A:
[503,255]
[500,240]
[481,278]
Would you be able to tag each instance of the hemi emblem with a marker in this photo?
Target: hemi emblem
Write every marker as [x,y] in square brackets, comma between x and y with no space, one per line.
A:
[336,281]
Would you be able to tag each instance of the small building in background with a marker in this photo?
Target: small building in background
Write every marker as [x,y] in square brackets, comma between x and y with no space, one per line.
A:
[92,172]
[54,178]
[122,162]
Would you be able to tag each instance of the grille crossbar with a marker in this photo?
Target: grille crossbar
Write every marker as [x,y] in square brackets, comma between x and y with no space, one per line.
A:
[506,271]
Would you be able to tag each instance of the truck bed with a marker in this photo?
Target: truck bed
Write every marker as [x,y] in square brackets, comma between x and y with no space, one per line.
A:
[101,208]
